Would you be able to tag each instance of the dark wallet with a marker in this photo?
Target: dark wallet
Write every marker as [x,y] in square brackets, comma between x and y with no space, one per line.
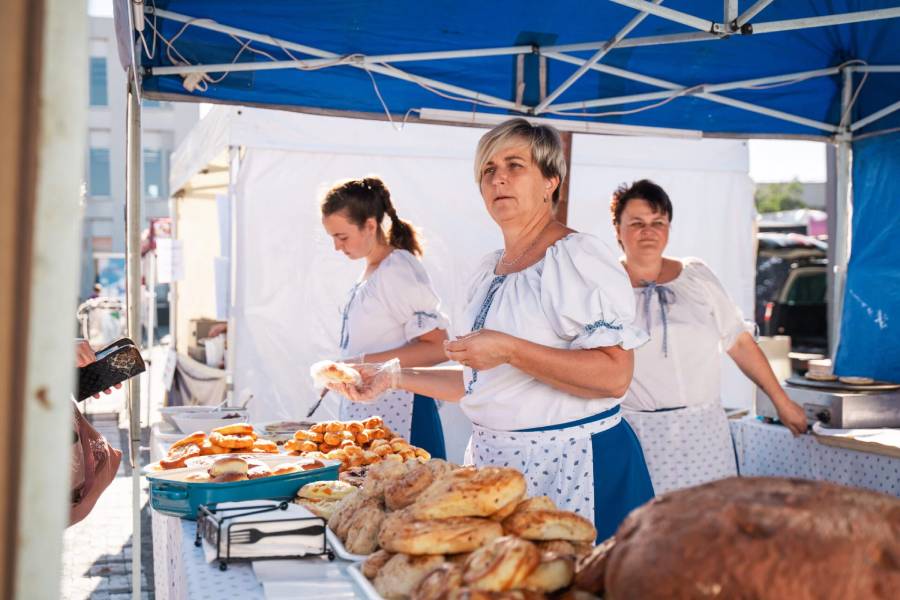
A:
[117,362]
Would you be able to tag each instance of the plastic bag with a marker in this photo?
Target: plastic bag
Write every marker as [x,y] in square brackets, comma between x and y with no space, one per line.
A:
[328,372]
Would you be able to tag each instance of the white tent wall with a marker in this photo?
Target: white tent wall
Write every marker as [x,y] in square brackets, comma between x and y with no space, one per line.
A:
[291,283]
[713,210]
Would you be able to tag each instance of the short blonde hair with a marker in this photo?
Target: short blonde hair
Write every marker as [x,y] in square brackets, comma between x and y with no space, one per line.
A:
[545,143]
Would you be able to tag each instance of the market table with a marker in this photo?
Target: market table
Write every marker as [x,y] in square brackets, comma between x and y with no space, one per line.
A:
[181,571]
[766,450]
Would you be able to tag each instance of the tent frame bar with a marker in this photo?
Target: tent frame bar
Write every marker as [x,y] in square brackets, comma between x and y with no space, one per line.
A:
[675,89]
[284,44]
[892,108]
[748,14]
[629,27]
[672,15]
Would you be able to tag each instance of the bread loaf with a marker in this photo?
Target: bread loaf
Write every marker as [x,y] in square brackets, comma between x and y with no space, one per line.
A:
[753,538]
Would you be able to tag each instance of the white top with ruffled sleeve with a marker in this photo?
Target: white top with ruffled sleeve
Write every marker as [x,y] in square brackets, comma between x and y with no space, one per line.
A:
[394,306]
[681,364]
[577,297]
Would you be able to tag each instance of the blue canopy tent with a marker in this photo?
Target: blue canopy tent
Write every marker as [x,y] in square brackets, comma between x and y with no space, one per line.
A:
[814,69]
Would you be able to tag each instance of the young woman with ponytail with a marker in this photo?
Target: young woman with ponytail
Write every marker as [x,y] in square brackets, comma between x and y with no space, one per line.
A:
[392,311]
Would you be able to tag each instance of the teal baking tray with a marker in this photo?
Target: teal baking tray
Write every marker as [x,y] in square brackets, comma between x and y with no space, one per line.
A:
[183,498]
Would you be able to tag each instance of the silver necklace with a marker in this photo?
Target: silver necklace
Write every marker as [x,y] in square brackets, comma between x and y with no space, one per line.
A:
[510,263]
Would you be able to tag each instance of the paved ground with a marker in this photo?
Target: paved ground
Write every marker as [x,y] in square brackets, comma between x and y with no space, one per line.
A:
[97,551]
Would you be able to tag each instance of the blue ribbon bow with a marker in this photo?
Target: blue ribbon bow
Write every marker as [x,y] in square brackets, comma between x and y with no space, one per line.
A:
[666,297]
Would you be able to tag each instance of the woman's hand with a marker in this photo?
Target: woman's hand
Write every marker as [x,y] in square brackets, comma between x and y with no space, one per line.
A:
[481,350]
[792,416]
[377,378]
[84,355]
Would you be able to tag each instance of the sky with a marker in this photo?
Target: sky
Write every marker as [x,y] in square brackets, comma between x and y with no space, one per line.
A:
[770,160]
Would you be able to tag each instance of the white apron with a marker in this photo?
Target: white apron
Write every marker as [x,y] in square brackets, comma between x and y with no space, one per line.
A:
[684,447]
[557,463]
[395,407]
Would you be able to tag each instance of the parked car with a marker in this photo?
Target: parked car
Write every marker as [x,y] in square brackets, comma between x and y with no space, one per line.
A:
[792,290]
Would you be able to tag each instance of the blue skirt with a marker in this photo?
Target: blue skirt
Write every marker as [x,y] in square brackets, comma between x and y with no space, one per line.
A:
[621,479]
[426,431]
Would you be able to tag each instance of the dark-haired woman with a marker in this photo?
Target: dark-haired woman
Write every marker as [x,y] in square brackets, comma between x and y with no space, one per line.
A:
[673,402]
[392,310]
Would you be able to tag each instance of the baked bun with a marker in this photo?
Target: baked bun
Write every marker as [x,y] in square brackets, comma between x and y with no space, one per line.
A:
[285,468]
[327,371]
[590,570]
[231,464]
[403,491]
[470,493]
[438,582]
[536,503]
[436,536]
[362,530]
[176,457]
[501,565]
[320,508]
[326,490]
[234,429]
[372,565]
[401,573]
[553,573]
[565,547]
[198,437]
[265,446]
[232,440]
[550,525]
[470,594]
[258,471]
[373,423]
[229,478]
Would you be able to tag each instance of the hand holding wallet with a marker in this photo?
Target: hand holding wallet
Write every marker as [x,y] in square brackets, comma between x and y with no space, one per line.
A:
[115,363]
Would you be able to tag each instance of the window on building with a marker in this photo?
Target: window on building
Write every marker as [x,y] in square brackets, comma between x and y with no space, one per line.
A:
[98,81]
[98,177]
[155,173]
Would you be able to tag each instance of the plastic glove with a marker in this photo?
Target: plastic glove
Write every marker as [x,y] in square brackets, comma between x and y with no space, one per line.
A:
[377,378]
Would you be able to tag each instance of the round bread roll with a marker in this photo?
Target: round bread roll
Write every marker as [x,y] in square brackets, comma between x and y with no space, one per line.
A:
[326,490]
[231,464]
[373,423]
[372,565]
[234,429]
[402,573]
[362,438]
[422,453]
[383,450]
[505,511]
[501,565]
[436,536]
[553,573]
[536,503]
[333,439]
[550,525]
[470,493]
[208,448]
[335,372]
[258,472]
[402,492]
[229,478]
[318,427]
[566,548]
[759,537]
[355,427]
[362,533]
[438,582]
[345,508]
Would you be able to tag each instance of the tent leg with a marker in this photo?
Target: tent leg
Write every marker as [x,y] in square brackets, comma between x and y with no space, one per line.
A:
[842,216]
[234,165]
[133,266]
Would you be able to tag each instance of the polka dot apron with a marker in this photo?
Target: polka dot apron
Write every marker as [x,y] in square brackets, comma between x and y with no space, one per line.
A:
[557,462]
[394,406]
[684,447]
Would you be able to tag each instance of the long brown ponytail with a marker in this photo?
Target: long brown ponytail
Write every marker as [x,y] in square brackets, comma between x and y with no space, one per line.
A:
[367,198]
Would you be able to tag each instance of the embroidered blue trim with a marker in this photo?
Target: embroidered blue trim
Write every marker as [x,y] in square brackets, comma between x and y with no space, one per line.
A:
[592,327]
[345,317]
[482,317]
[419,314]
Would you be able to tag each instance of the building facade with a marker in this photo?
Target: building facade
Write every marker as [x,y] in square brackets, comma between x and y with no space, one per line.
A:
[164,125]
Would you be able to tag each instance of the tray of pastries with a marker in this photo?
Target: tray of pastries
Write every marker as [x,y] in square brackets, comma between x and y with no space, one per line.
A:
[237,438]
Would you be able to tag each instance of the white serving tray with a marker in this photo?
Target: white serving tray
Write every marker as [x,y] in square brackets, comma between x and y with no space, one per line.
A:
[338,546]
[362,582]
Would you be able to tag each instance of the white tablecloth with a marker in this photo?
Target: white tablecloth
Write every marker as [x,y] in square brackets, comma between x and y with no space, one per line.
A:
[182,573]
[770,450]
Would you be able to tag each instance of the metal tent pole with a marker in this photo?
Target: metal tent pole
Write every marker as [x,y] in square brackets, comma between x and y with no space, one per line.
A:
[133,270]
[842,215]
[234,165]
